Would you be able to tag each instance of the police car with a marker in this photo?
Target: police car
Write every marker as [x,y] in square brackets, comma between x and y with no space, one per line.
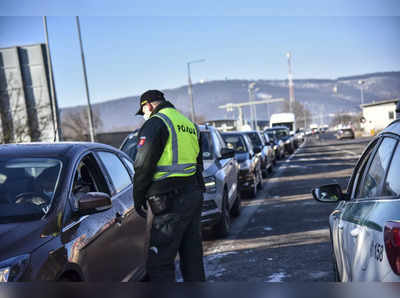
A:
[365,225]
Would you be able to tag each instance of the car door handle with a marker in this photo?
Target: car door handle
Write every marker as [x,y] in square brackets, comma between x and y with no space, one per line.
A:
[355,232]
[118,218]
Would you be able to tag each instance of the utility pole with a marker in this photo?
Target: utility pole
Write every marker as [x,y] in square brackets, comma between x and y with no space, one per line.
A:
[361,83]
[291,87]
[190,92]
[55,112]
[89,110]
[251,89]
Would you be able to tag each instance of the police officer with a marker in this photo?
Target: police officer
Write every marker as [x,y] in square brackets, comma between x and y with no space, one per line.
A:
[168,179]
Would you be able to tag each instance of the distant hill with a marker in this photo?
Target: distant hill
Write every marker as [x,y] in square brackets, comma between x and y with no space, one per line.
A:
[317,94]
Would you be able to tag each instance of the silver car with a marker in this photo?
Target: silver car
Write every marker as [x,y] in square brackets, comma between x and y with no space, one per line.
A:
[267,153]
[365,225]
[221,172]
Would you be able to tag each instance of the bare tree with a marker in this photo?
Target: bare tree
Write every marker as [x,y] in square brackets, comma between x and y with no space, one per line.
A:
[347,120]
[303,116]
[75,125]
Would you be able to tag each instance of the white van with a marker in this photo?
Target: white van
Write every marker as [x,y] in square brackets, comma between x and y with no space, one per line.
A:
[284,119]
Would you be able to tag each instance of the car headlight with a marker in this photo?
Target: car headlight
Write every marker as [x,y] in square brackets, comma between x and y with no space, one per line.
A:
[245,165]
[287,141]
[11,269]
[4,274]
[210,184]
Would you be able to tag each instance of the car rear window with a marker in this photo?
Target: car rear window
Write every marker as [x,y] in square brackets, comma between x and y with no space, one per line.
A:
[206,145]
[255,139]
[235,142]
[130,146]
[391,187]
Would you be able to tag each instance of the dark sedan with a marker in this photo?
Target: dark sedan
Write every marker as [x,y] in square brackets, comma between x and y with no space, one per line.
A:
[345,133]
[283,134]
[67,214]
[250,176]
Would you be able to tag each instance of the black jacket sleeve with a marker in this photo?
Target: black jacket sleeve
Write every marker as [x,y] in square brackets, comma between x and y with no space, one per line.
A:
[151,142]
[200,166]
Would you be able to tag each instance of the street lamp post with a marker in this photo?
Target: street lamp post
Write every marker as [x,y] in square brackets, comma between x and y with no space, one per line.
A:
[90,114]
[250,89]
[291,87]
[55,112]
[190,92]
[361,83]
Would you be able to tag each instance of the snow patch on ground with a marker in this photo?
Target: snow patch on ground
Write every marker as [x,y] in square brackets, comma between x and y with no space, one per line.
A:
[318,275]
[267,229]
[213,257]
[219,272]
[277,277]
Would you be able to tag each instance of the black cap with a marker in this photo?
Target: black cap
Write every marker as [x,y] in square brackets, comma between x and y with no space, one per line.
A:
[149,96]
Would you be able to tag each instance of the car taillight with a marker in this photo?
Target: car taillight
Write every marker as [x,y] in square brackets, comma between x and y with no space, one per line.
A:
[392,245]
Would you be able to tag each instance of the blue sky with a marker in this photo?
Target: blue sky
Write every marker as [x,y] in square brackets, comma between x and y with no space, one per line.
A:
[127,55]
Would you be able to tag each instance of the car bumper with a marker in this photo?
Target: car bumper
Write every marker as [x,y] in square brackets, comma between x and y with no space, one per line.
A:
[210,214]
[246,181]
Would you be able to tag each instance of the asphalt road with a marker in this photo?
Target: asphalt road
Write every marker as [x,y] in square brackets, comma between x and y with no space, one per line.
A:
[283,235]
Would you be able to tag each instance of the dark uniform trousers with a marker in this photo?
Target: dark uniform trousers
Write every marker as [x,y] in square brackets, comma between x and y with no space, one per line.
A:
[177,230]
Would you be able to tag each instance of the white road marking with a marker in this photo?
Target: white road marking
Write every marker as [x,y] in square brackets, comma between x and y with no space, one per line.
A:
[277,277]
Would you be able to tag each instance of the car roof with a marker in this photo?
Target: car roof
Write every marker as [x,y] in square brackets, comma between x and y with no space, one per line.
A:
[41,149]
[206,127]
[277,127]
[393,128]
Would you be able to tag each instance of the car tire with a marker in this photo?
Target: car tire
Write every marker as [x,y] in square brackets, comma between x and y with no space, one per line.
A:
[335,270]
[253,191]
[235,211]
[265,173]
[224,225]
[260,183]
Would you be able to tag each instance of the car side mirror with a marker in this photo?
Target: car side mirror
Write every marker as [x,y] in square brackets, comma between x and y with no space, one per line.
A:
[330,193]
[92,202]
[257,149]
[227,153]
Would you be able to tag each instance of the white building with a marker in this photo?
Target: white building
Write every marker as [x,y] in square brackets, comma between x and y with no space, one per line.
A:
[378,115]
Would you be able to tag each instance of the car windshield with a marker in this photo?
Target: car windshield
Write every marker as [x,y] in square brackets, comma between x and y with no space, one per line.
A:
[289,125]
[255,139]
[280,133]
[27,187]
[206,145]
[271,135]
[130,146]
[235,142]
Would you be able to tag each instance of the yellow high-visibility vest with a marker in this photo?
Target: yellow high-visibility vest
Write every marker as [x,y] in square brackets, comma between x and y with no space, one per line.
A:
[179,158]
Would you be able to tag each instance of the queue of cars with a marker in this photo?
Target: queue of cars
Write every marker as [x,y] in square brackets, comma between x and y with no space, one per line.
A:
[73,199]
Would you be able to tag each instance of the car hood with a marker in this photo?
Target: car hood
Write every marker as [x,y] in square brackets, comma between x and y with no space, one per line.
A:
[20,238]
[241,157]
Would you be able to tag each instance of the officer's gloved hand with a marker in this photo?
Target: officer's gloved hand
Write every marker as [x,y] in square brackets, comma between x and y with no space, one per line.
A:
[139,207]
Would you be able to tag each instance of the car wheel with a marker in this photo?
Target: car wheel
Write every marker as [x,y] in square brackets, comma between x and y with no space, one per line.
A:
[265,173]
[235,211]
[260,181]
[253,190]
[335,270]
[224,224]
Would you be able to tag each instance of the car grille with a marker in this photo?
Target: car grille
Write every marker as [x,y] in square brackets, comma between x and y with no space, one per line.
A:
[209,205]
